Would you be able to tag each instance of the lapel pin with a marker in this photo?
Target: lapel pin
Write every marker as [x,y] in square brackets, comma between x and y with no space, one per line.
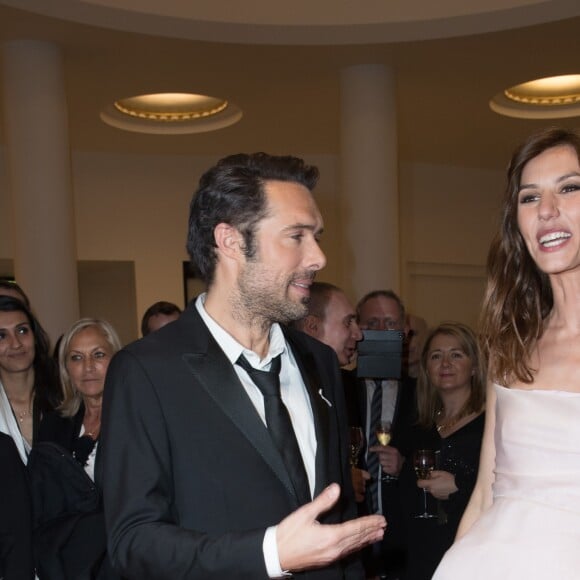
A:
[324,398]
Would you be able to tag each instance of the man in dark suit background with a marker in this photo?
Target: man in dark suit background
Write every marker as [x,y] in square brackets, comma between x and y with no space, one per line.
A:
[384,310]
[194,484]
[332,319]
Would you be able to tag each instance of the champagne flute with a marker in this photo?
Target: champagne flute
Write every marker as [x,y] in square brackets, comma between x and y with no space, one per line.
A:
[383,432]
[424,463]
[356,444]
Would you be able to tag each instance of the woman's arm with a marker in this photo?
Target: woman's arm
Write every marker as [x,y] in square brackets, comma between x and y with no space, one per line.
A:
[481,498]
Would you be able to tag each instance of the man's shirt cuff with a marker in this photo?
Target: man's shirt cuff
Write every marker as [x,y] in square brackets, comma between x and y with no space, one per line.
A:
[271,558]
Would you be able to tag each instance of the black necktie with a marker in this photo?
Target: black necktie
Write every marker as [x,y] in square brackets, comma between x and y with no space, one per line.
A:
[372,457]
[279,424]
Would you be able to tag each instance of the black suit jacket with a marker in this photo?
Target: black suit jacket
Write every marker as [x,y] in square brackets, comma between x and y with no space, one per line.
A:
[15,515]
[191,478]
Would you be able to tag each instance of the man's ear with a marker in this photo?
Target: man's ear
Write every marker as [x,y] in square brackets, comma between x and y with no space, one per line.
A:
[312,325]
[228,240]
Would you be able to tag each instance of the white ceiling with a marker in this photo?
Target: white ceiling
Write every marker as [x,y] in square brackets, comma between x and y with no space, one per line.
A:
[281,67]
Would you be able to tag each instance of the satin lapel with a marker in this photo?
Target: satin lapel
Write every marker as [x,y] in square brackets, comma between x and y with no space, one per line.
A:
[215,374]
[314,386]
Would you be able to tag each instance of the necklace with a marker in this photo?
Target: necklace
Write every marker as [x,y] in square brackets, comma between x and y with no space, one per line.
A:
[21,415]
[95,427]
[447,425]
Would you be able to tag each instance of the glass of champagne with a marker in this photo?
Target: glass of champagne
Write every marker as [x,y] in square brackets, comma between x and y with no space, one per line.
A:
[356,444]
[383,432]
[424,463]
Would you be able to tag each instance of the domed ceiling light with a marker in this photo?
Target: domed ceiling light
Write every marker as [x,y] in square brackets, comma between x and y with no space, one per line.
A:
[545,98]
[171,113]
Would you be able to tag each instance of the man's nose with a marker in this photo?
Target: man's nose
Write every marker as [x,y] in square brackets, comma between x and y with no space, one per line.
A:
[316,258]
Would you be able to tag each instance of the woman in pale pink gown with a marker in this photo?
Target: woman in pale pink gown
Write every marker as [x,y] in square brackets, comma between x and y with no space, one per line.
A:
[523,519]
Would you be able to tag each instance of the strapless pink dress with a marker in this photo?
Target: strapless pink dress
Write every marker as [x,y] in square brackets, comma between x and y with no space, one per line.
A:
[532,530]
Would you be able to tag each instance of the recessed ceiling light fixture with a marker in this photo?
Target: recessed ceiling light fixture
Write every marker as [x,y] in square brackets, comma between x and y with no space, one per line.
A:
[171,113]
[545,98]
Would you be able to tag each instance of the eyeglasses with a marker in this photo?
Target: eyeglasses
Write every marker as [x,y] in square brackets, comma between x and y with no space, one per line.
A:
[381,324]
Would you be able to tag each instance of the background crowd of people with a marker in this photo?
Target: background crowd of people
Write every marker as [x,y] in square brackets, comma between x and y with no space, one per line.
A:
[439,408]
[52,522]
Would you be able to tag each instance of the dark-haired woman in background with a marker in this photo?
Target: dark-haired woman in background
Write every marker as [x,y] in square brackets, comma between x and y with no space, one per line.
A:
[523,519]
[28,380]
[450,401]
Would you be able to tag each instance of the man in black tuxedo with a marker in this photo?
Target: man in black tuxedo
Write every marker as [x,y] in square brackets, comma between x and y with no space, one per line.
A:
[196,482]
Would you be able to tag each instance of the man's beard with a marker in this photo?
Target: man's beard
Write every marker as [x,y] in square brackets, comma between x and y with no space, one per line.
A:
[261,299]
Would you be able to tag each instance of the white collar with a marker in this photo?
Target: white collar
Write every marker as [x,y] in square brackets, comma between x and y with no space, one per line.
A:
[232,348]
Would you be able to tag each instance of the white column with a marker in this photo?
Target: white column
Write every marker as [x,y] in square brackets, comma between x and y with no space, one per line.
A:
[39,173]
[369,179]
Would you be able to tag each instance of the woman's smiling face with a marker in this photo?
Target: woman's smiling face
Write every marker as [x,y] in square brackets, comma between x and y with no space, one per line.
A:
[16,342]
[549,209]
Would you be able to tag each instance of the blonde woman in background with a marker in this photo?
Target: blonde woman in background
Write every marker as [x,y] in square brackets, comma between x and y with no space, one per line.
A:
[66,503]
[450,403]
[83,359]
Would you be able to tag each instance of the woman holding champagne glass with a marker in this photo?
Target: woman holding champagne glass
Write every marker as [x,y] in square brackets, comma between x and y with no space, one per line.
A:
[440,471]
[523,519]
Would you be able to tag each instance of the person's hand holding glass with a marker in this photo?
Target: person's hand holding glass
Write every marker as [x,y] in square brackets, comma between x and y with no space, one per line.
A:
[424,464]
[389,457]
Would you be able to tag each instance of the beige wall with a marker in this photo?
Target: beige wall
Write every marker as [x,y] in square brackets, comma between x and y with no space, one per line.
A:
[6,247]
[448,217]
[134,208]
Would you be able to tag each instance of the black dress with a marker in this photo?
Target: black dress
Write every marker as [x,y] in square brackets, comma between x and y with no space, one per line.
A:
[429,539]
